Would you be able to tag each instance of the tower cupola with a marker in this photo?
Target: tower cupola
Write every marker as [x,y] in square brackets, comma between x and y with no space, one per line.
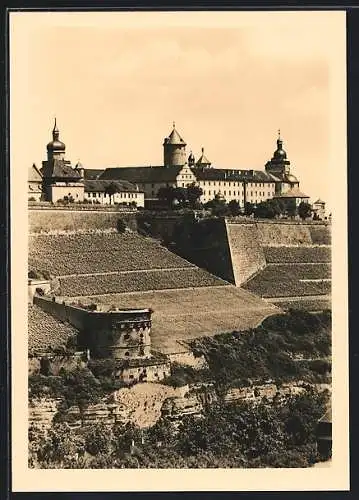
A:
[279,165]
[55,148]
[279,153]
[203,161]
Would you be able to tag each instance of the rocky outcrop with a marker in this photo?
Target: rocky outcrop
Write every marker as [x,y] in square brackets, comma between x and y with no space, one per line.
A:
[42,412]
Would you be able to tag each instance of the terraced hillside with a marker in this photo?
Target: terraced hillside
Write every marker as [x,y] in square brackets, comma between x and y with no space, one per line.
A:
[295,276]
[106,263]
[129,270]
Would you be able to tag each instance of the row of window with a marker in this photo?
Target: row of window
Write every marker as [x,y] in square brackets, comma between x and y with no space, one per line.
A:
[234,184]
[105,195]
[238,193]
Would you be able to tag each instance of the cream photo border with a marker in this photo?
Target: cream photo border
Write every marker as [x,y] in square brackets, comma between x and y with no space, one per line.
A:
[333,477]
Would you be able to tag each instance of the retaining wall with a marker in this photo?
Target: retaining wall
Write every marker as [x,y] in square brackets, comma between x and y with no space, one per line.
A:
[46,220]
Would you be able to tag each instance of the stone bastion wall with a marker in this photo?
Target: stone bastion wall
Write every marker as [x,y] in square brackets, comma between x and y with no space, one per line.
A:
[232,247]
[120,334]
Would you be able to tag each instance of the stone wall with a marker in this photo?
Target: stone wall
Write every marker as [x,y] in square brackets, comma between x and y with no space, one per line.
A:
[46,219]
[189,359]
[56,362]
[149,373]
[73,315]
[247,256]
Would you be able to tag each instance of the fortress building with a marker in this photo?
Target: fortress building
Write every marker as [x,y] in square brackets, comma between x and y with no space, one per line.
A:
[58,180]
[242,185]
[134,185]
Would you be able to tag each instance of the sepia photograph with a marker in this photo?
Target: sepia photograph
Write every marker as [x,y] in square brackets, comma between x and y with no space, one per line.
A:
[178,184]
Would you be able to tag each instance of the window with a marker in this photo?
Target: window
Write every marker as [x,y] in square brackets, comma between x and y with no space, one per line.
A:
[126,337]
[209,192]
[229,192]
[127,353]
[183,184]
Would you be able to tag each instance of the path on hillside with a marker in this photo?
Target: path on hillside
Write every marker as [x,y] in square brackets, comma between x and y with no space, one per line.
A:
[99,295]
[107,273]
[297,263]
[301,297]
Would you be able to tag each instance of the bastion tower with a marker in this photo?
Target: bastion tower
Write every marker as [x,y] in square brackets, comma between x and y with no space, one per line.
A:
[174,149]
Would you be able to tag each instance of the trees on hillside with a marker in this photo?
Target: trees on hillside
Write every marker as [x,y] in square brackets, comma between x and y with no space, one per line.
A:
[304,210]
[234,207]
[111,189]
[180,196]
[194,194]
[269,209]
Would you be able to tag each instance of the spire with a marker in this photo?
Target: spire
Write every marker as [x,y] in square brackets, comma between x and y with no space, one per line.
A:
[55,131]
[279,140]
[203,160]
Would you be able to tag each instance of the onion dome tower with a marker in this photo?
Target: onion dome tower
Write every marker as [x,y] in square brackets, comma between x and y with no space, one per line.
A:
[279,164]
[55,148]
[203,161]
[174,149]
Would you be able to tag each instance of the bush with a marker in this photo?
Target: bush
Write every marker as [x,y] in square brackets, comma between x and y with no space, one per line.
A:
[121,226]
[35,275]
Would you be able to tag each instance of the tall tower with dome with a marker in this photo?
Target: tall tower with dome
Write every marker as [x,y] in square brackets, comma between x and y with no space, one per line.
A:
[60,181]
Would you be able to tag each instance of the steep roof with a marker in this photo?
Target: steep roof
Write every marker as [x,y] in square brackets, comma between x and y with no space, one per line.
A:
[93,173]
[219,174]
[319,202]
[60,169]
[34,174]
[98,186]
[142,174]
[175,139]
[203,160]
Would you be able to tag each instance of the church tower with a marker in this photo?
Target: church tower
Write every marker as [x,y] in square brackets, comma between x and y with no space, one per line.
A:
[55,149]
[279,165]
[174,149]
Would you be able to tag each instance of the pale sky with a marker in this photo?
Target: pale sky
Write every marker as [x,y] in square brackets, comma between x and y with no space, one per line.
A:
[229,81]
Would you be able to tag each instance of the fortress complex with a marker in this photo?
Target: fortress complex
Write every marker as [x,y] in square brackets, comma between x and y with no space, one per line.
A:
[58,179]
[178,170]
